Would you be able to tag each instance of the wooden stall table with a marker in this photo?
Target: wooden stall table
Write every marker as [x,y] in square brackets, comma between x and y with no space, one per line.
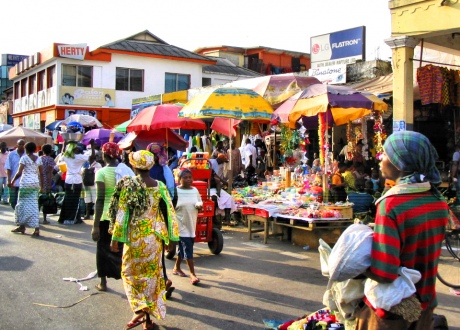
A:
[254,214]
[308,231]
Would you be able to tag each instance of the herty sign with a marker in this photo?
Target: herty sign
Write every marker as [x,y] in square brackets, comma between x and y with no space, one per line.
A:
[77,51]
[342,47]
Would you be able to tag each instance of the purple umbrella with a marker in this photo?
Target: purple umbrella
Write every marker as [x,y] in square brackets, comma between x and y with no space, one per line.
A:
[101,136]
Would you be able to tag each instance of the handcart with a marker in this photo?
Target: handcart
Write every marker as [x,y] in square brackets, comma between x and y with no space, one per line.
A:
[205,232]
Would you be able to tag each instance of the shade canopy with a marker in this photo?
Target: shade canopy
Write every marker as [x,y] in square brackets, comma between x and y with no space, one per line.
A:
[101,136]
[166,136]
[235,103]
[11,136]
[163,116]
[340,103]
[122,127]
[84,120]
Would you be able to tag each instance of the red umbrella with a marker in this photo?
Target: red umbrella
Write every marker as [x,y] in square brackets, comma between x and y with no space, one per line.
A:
[162,135]
[163,116]
[225,126]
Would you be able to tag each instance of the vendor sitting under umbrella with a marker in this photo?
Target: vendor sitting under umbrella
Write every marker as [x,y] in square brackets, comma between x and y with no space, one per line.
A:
[223,200]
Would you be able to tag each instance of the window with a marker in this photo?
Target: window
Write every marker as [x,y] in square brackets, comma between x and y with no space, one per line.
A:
[76,75]
[129,80]
[176,82]
[24,87]
[32,82]
[41,81]
[51,76]
[206,82]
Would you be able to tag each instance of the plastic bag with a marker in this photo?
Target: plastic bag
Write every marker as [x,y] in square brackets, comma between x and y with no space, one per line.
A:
[324,252]
[387,295]
[351,255]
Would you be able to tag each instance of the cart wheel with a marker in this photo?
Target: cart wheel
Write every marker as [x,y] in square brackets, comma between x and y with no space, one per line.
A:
[217,243]
[169,254]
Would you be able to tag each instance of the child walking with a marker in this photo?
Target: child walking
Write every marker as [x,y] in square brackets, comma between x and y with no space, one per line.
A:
[188,204]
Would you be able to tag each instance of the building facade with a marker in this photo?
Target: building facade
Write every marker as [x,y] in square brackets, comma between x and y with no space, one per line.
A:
[67,79]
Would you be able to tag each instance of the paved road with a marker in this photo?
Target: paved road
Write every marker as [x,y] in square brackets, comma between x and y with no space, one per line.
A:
[246,283]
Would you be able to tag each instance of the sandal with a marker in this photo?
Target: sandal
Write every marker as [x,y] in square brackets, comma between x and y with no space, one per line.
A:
[138,320]
[169,289]
[20,229]
[179,273]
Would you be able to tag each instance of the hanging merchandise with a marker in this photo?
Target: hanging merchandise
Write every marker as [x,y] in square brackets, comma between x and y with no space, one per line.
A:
[380,134]
[322,129]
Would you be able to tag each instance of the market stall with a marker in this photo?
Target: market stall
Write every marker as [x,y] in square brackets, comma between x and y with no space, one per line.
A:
[285,213]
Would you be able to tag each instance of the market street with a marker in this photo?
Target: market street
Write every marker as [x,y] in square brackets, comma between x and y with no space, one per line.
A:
[246,283]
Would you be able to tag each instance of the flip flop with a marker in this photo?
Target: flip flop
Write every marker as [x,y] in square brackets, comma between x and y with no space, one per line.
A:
[179,273]
[169,292]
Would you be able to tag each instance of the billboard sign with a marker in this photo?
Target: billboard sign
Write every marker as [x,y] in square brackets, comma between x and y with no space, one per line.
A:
[77,51]
[336,74]
[342,47]
[141,103]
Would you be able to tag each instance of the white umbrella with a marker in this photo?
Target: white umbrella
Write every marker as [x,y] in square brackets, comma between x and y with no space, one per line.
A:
[5,127]
[84,120]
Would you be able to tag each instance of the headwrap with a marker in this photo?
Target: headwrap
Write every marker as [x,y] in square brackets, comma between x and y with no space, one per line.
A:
[159,151]
[413,153]
[142,159]
[222,158]
[184,171]
[111,149]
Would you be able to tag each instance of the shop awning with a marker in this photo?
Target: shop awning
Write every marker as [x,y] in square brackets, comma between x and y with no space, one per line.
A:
[379,86]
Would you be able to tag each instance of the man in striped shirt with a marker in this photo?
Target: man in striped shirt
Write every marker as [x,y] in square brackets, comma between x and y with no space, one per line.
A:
[409,227]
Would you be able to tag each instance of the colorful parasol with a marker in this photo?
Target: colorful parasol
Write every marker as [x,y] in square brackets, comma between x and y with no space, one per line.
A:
[228,102]
[340,104]
[163,116]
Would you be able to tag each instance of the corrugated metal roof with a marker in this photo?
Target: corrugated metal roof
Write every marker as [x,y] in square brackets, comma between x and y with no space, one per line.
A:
[147,43]
[224,66]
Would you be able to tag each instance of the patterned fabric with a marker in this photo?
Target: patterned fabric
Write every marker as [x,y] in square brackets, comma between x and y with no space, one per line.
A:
[412,152]
[408,232]
[142,266]
[111,149]
[26,211]
[141,159]
[430,80]
[48,167]
[159,151]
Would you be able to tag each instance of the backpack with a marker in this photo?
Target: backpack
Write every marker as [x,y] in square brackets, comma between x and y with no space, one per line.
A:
[88,176]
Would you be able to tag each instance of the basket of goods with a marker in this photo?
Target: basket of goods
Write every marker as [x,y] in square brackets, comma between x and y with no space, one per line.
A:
[74,131]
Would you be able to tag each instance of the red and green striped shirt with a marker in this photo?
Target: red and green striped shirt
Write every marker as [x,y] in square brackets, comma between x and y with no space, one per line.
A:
[409,230]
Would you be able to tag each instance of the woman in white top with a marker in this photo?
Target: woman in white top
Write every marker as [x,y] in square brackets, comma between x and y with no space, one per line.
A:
[74,159]
[188,203]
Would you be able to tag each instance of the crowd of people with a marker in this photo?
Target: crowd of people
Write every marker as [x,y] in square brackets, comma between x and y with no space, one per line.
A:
[140,210]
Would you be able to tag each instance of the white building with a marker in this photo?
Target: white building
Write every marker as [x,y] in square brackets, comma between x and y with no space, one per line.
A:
[65,79]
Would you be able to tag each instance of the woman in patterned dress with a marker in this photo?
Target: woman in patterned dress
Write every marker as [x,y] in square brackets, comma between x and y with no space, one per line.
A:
[143,216]
[30,172]
[47,172]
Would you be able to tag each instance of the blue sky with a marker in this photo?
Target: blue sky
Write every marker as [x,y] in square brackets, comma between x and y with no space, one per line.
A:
[190,24]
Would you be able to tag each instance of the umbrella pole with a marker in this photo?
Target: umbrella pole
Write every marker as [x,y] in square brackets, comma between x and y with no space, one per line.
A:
[230,169]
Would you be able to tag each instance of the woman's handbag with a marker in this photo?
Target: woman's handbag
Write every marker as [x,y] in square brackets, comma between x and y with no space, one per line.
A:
[48,203]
